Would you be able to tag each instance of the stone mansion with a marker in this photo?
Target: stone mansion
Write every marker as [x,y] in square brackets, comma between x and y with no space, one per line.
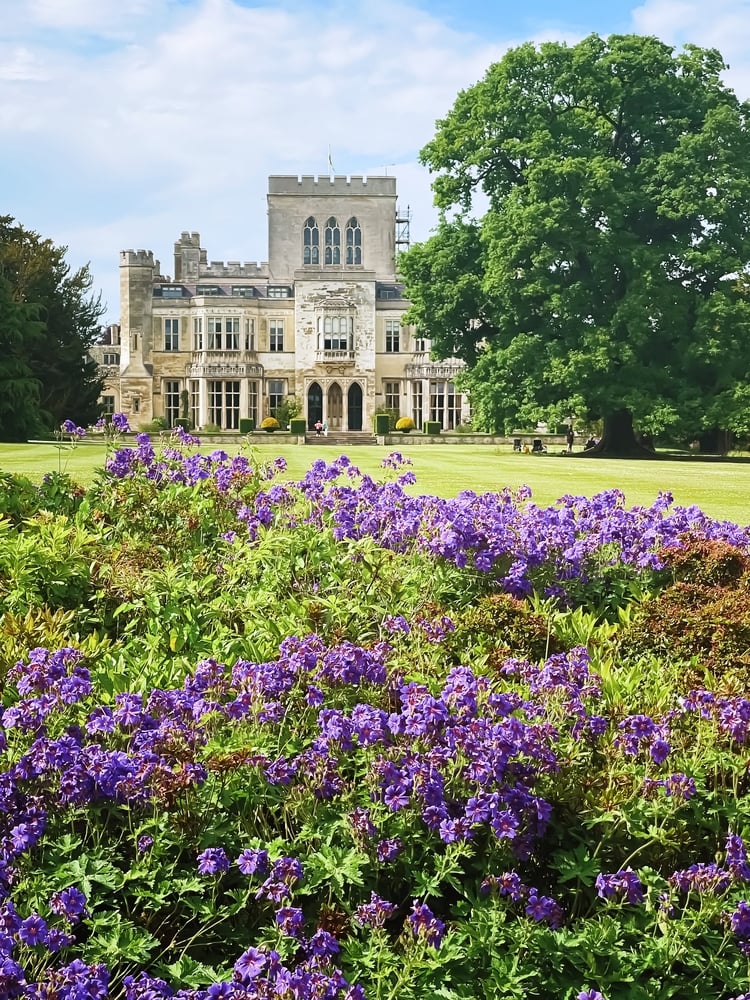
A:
[320,322]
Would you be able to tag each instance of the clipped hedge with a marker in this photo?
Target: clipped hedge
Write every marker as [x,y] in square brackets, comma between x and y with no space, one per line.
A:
[382,424]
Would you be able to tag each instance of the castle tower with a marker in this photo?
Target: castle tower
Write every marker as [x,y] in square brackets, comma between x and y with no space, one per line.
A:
[137,271]
[370,201]
[188,257]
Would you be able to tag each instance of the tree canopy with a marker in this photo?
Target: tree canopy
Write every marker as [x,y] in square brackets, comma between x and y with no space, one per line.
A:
[48,322]
[593,238]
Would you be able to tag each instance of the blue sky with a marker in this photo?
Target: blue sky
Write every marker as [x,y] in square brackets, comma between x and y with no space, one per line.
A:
[125,122]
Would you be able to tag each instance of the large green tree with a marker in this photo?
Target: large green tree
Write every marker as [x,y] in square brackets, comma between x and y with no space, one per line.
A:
[595,223]
[52,350]
[19,390]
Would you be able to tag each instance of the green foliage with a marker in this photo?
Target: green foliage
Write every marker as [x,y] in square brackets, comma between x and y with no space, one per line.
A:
[145,576]
[595,281]
[247,425]
[19,387]
[291,407]
[432,427]
[703,618]
[497,626]
[155,426]
[45,563]
[383,422]
[298,426]
[51,335]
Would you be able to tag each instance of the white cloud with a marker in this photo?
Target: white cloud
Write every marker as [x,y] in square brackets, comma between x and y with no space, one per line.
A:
[176,121]
[94,17]
[722,24]
[18,63]
[123,122]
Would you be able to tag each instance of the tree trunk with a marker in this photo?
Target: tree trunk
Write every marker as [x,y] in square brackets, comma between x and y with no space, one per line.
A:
[618,439]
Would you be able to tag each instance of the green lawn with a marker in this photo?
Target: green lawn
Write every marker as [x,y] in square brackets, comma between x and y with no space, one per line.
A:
[720,488]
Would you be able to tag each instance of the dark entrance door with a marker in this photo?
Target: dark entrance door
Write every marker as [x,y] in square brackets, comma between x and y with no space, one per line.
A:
[314,405]
[354,399]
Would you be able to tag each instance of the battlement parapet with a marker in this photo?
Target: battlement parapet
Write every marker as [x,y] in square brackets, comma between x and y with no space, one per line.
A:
[188,239]
[138,258]
[314,184]
[234,269]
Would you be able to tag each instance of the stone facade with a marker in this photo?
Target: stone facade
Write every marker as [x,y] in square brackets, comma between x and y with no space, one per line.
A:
[319,323]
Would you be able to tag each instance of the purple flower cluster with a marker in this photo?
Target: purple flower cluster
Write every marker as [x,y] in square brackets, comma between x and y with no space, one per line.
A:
[174,465]
[525,547]
[425,925]
[540,908]
[637,732]
[739,922]
[120,423]
[376,912]
[20,934]
[69,427]
[260,974]
[86,762]
[622,885]
[712,878]
[677,786]
[730,713]
[461,759]
[566,679]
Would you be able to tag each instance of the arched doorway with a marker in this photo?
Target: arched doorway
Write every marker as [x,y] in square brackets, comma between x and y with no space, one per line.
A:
[354,399]
[335,407]
[314,405]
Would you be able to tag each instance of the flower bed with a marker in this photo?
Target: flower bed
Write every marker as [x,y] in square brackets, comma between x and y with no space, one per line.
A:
[325,739]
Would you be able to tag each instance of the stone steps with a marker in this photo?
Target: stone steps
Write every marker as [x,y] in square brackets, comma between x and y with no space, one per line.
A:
[341,438]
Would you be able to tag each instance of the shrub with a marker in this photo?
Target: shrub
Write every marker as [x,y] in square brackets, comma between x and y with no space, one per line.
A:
[499,626]
[269,424]
[405,425]
[708,625]
[382,424]
[290,408]
[707,561]
[183,422]
[432,427]
[247,425]
[298,426]
[155,425]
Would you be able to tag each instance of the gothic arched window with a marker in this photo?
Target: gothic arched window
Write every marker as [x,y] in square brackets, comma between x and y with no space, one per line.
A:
[311,242]
[353,241]
[332,242]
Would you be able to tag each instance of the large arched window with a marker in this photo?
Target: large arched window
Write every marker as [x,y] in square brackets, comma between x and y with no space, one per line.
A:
[353,242]
[332,242]
[311,242]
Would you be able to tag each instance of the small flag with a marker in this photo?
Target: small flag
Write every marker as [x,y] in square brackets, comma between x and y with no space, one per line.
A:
[330,162]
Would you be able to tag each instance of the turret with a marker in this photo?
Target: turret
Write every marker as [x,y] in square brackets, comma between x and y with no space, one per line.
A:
[137,271]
